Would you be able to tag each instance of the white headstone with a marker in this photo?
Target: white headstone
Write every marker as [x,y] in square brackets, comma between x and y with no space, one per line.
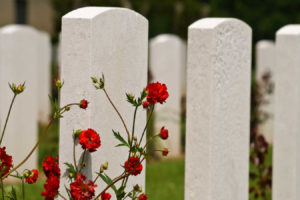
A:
[97,40]
[265,64]
[167,63]
[218,110]
[44,75]
[286,147]
[19,63]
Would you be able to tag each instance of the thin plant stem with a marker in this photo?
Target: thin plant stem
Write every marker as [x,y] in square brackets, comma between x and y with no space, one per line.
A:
[151,112]
[81,166]
[133,124]
[74,155]
[33,149]
[112,183]
[120,116]
[7,117]
[62,196]
[2,188]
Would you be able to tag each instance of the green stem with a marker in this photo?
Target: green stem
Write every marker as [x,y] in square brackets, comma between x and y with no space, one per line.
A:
[74,155]
[33,149]
[62,196]
[81,166]
[133,125]
[7,117]
[120,116]
[112,183]
[151,112]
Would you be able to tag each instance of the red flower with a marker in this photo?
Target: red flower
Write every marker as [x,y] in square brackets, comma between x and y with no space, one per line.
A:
[83,104]
[164,133]
[51,187]
[32,176]
[51,167]
[165,151]
[157,92]
[80,190]
[145,104]
[143,197]
[89,139]
[6,162]
[105,196]
[134,166]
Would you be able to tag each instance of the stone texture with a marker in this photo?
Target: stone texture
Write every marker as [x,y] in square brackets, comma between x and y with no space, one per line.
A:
[44,75]
[18,63]
[167,64]
[218,110]
[97,40]
[286,160]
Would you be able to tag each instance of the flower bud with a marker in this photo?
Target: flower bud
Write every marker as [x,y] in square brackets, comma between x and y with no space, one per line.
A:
[71,175]
[101,170]
[77,133]
[165,151]
[105,165]
[67,108]
[20,88]
[94,79]
[83,104]
[136,187]
[145,104]
[134,138]
[27,174]
[59,84]
[83,164]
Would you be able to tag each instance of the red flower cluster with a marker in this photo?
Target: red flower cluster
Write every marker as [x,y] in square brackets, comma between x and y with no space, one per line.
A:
[143,197]
[83,104]
[164,133]
[134,166]
[157,92]
[89,139]
[165,151]
[51,187]
[6,162]
[105,196]
[52,171]
[80,190]
[32,176]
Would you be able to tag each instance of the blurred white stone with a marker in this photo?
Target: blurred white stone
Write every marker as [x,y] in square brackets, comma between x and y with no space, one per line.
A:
[44,77]
[218,110]
[286,148]
[97,40]
[265,64]
[167,65]
[19,50]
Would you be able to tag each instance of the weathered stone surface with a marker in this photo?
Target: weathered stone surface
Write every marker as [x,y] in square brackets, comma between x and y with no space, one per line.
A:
[97,40]
[218,110]
[286,148]
[18,63]
[44,77]
[167,64]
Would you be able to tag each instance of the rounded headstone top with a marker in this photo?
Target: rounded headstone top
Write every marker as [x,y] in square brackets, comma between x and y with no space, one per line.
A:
[265,44]
[14,28]
[292,29]
[212,22]
[92,12]
[165,37]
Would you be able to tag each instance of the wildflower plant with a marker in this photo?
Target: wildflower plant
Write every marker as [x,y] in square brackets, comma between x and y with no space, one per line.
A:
[80,188]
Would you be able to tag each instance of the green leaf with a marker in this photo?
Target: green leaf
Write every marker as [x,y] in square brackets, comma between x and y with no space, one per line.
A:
[71,169]
[12,195]
[130,99]
[121,139]
[108,181]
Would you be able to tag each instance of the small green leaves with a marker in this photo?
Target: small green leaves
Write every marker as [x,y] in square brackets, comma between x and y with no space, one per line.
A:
[136,102]
[17,89]
[121,139]
[56,109]
[108,181]
[12,195]
[71,171]
[99,84]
